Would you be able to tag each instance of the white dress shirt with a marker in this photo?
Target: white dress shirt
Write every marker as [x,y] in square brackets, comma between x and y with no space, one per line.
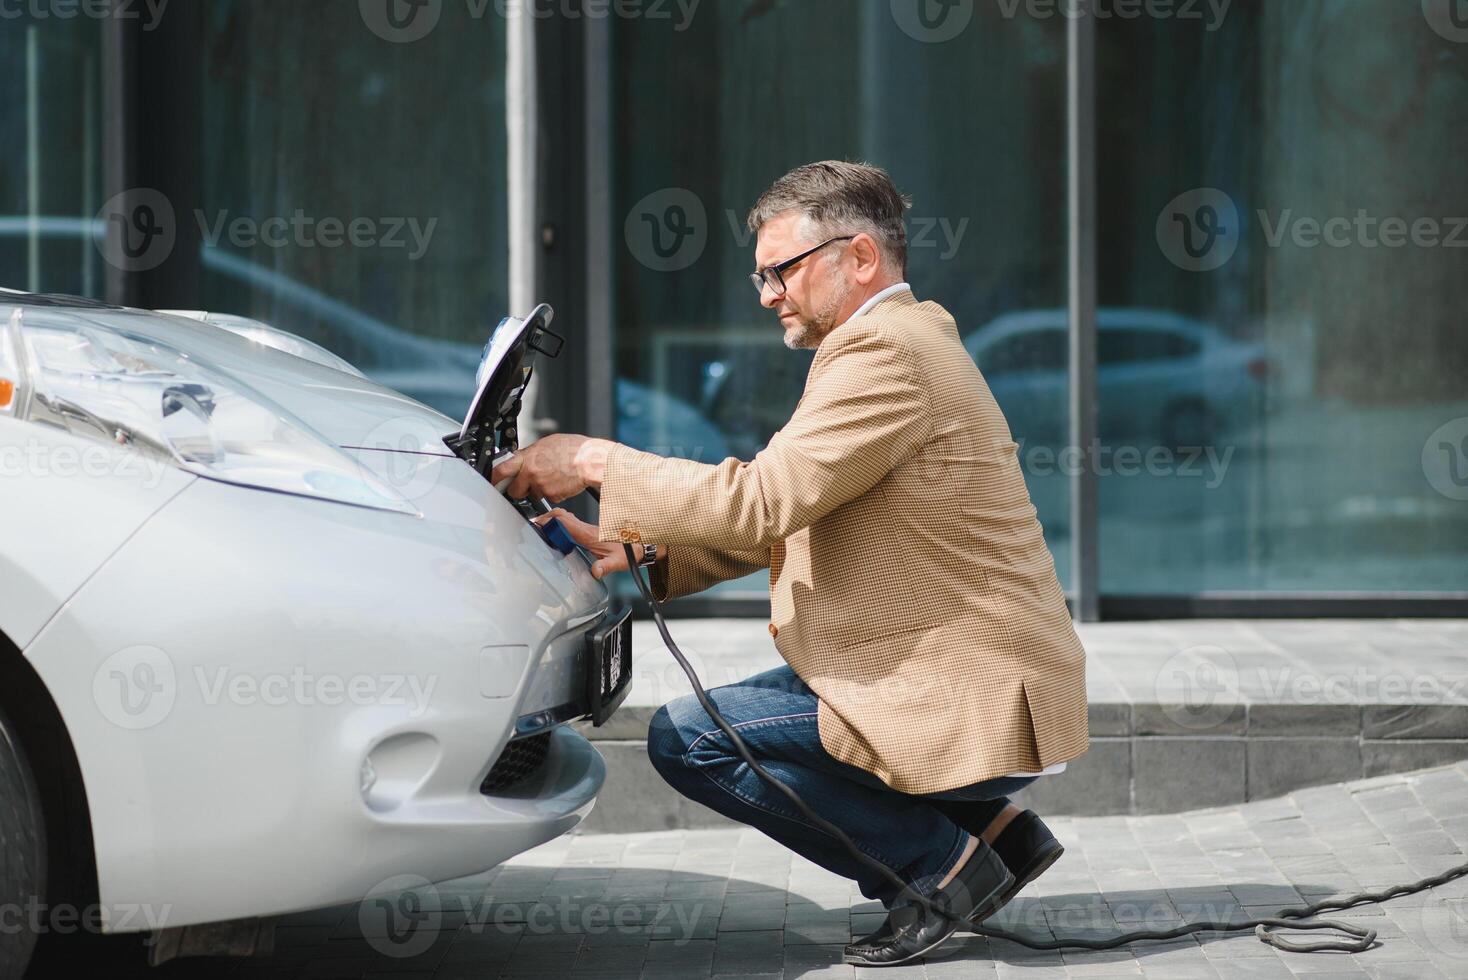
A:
[876,298]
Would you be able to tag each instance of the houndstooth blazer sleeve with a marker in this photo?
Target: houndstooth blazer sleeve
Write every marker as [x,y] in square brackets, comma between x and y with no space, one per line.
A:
[863,411]
[686,570]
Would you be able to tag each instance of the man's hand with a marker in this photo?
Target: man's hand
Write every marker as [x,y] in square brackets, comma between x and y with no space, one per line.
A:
[610,555]
[556,467]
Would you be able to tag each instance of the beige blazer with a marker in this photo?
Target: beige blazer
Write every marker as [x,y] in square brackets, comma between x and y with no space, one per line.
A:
[910,585]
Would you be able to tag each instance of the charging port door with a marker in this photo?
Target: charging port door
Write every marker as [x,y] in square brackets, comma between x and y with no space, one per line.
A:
[490,426]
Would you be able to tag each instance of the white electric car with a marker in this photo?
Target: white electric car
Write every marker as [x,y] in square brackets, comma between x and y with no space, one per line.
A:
[269,639]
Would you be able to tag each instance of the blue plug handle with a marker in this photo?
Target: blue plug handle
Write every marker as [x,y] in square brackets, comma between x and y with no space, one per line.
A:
[558,536]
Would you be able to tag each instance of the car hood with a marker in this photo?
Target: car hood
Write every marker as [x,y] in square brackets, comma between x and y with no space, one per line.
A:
[344,408]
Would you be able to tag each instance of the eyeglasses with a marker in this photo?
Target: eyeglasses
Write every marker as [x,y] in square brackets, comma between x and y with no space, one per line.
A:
[773,275]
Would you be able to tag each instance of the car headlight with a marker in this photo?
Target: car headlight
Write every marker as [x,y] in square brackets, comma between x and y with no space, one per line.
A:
[137,392]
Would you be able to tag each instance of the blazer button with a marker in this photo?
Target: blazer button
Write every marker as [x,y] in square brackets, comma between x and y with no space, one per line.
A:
[774,630]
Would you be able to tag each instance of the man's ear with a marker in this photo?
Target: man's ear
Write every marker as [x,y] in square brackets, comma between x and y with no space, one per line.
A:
[868,258]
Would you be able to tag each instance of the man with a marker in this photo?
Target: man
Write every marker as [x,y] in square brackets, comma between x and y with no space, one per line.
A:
[932,666]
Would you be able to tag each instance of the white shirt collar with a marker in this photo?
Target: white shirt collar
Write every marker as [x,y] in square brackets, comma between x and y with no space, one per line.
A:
[877,298]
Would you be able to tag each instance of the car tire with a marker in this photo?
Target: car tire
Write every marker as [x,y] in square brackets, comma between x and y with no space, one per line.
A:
[1189,424]
[22,854]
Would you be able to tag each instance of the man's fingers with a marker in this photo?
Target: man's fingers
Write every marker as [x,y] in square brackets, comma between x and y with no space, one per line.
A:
[581,532]
[505,470]
[519,488]
[605,566]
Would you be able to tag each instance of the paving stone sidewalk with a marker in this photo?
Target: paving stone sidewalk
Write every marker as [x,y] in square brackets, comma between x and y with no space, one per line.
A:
[730,903]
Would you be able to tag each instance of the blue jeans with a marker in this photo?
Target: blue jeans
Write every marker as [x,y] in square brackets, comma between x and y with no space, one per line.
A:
[775,714]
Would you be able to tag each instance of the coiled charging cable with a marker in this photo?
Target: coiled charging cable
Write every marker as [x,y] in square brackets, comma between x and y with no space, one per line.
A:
[1265,928]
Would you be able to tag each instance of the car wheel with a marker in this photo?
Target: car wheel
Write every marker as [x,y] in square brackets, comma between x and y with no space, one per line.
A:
[22,854]
[1189,424]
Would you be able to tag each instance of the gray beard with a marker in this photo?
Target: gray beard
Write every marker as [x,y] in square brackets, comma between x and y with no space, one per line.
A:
[813,330]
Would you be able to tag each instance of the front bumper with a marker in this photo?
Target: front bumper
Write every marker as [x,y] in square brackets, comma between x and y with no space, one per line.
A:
[213,797]
[584,675]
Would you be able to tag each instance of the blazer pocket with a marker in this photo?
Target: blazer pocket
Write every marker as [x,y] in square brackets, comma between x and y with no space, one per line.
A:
[883,633]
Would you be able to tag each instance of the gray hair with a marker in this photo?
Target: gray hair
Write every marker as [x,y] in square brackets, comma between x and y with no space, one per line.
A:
[841,198]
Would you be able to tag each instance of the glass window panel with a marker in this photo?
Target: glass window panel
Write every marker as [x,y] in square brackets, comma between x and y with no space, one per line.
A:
[51,132]
[1258,201]
[370,180]
[967,113]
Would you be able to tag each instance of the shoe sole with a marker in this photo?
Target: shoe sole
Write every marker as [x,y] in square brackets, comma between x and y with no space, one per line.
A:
[855,960]
[1042,862]
[983,912]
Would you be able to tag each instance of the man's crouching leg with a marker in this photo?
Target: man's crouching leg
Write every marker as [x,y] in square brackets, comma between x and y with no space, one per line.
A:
[776,716]
[778,723]
[1019,837]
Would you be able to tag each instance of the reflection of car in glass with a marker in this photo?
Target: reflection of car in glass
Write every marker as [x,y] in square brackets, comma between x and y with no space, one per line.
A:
[267,642]
[657,422]
[1160,376]
[437,372]
[750,393]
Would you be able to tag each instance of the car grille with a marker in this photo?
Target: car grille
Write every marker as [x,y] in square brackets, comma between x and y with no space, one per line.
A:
[519,761]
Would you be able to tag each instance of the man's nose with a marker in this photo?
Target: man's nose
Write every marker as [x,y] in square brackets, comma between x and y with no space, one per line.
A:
[768,298]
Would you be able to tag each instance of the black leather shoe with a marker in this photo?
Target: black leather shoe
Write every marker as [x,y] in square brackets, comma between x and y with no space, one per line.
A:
[911,931]
[1027,849]
[907,934]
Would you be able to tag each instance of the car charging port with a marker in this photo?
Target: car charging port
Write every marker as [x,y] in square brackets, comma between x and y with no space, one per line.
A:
[490,428]
[490,432]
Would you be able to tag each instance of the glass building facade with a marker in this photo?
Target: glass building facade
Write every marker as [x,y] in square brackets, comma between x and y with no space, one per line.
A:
[1275,322]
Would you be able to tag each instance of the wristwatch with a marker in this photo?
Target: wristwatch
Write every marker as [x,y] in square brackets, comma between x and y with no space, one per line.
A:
[649,556]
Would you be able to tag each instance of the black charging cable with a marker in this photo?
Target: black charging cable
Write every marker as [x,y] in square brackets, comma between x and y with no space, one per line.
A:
[1266,928]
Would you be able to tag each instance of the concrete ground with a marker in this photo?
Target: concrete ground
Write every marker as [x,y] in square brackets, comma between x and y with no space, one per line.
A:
[729,903]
